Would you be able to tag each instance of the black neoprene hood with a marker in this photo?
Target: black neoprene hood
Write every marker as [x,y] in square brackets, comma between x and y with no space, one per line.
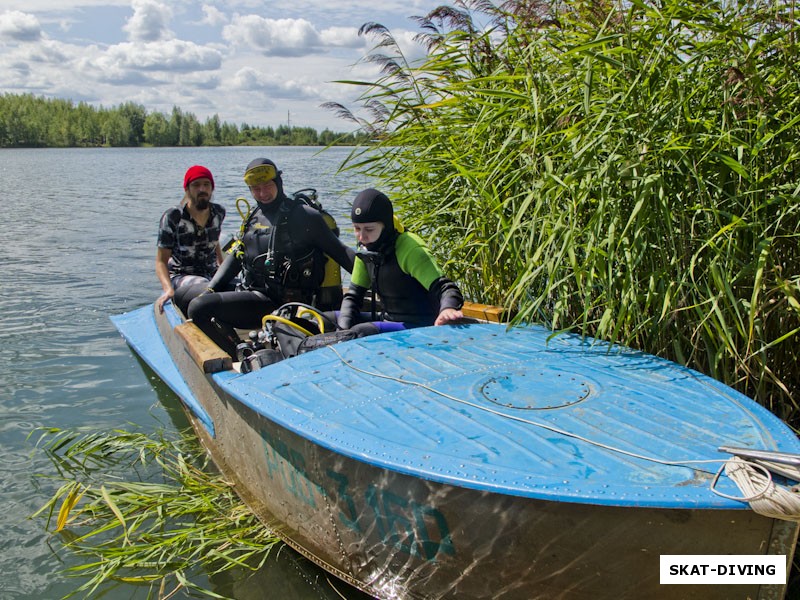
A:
[372,206]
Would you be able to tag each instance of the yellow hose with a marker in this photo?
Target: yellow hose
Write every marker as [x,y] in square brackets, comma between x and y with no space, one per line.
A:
[315,314]
[243,214]
[285,322]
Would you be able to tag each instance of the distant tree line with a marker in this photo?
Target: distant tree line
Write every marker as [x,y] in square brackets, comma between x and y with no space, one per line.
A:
[28,121]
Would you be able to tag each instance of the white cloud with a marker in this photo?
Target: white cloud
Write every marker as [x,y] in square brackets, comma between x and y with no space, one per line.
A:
[48,52]
[19,26]
[344,37]
[149,22]
[288,37]
[245,60]
[213,16]
[411,49]
[273,37]
[249,79]
[202,81]
[167,56]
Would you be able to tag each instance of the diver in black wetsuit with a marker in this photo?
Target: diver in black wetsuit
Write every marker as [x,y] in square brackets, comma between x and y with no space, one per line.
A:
[280,254]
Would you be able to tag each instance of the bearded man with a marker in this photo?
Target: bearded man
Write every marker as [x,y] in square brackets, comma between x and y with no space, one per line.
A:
[188,240]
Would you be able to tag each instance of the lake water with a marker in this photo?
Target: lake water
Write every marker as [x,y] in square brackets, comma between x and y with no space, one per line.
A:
[78,244]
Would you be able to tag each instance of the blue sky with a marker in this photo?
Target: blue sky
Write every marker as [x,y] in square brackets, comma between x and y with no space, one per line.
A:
[254,61]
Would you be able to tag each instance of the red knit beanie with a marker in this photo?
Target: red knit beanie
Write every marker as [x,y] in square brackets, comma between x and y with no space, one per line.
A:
[197,172]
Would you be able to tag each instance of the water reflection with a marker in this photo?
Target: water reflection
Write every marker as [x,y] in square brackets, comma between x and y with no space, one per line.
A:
[288,576]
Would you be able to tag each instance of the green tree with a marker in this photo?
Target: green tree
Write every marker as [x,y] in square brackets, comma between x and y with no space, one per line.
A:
[115,129]
[229,134]
[156,130]
[27,120]
[175,126]
[191,132]
[136,115]
[87,126]
[212,131]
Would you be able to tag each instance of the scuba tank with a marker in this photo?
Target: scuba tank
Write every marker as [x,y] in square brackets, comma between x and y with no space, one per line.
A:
[330,294]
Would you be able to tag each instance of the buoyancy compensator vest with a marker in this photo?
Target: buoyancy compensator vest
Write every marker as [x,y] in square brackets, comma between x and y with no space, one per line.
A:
[286,270]
[328,293]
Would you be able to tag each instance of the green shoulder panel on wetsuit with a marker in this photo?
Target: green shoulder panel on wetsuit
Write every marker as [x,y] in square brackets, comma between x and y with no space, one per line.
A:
[415,259]
[360,275]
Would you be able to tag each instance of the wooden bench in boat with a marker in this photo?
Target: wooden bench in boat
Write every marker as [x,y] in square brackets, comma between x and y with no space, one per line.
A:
[205,353]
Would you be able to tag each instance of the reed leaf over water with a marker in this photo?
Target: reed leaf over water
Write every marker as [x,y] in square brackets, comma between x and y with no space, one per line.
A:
[147,509]
[630,171]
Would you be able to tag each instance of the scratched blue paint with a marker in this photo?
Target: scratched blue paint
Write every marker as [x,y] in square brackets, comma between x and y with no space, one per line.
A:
[287,467]
[408,527]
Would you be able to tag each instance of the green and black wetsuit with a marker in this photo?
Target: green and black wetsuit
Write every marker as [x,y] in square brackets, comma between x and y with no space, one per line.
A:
[411,286]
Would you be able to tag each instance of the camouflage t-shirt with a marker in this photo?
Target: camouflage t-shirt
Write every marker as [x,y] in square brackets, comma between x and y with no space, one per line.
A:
[193,246]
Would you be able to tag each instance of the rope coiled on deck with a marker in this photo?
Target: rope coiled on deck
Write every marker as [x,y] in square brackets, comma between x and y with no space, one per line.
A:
[759,489]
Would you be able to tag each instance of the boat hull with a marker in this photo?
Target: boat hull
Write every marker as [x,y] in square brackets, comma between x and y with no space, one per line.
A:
[395,535]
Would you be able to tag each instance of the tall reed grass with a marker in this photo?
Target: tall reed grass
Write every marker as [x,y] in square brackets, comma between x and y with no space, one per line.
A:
[627,170]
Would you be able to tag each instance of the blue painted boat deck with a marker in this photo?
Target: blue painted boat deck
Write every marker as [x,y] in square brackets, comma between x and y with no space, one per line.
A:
[514,412]
[140,331]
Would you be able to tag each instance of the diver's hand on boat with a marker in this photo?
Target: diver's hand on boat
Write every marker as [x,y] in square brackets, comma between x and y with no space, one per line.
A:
[448,315]
[163,299]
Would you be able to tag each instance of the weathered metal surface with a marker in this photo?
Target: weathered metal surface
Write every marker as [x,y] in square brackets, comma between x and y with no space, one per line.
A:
[398,536]
[384,487]
[514,412]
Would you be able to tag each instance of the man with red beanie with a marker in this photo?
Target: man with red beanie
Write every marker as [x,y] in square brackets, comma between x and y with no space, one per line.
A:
[188,240]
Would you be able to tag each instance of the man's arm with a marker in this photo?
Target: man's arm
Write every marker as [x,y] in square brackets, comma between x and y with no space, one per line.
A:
[314,230]
[162,272]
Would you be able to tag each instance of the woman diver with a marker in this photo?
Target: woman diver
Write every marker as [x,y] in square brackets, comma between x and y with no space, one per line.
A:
[401,271]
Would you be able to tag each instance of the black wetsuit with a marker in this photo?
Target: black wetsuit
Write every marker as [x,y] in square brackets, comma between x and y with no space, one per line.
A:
[281,258]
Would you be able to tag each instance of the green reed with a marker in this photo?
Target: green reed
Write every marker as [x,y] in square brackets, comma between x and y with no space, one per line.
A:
[147,510]
[629,171]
